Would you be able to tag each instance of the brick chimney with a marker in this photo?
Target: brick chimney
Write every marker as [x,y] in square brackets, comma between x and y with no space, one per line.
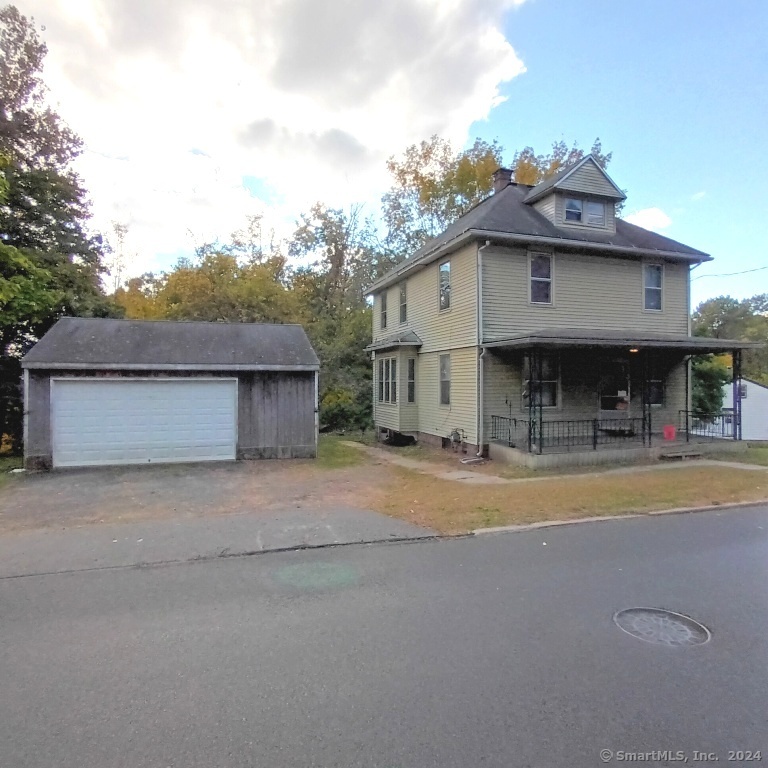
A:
[502,177]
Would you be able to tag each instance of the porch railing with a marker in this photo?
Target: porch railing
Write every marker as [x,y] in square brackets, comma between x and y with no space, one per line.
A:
[707,426]
[565,435]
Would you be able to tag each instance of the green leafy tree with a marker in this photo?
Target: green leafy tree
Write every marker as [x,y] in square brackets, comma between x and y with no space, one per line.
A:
[709,374]
[724,317]
[51,264]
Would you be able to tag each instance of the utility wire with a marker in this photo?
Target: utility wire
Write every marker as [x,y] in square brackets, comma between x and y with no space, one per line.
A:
[730,274]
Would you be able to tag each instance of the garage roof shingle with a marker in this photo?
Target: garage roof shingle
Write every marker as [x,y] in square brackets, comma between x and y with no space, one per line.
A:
[99,343]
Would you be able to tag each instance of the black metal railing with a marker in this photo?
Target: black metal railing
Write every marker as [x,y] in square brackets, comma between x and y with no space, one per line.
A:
[706,426]
[564,435]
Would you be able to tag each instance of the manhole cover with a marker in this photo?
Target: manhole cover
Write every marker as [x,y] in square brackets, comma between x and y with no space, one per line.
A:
[655,625]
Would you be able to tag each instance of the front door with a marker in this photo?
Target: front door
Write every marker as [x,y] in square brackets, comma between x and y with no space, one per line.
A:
[614,391]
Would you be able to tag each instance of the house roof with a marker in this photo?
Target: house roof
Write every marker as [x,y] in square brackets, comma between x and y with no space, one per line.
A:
[588,337]
[404,339]
[98,343]
[505,218]
[560,180]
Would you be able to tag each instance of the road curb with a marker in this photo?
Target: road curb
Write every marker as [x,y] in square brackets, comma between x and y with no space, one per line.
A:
[628,516]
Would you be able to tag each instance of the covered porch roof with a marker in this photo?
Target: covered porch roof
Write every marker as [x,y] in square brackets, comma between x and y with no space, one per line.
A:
[555,338]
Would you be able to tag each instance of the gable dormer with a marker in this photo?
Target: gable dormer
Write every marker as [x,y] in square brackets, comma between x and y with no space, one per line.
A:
[582,196]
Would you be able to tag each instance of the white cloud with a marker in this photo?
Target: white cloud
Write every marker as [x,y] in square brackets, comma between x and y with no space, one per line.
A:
[699,195]
[178,102]
[650,218]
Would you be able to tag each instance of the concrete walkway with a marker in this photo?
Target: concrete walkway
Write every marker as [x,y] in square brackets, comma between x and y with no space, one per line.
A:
[480,478]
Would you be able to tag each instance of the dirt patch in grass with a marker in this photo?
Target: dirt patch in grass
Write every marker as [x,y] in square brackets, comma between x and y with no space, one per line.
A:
[452,507]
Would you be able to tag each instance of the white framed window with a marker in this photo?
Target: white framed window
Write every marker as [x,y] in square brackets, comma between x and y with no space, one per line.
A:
[387,383]
[444,282]
[384,309]
[411,380]
[547,390]
[573,209]
[540,274]
[403,303]
[596,213]
[653,278]
[445,379]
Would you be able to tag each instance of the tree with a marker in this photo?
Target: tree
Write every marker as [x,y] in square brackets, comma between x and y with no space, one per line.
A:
[51,263]
[433,185]
[724,317]
[217,288]
[530,168]
[709,374]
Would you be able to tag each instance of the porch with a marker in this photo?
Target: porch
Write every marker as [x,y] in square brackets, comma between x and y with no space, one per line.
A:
[575,398]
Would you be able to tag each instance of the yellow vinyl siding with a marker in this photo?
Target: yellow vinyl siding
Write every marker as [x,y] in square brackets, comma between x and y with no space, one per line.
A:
[401,416]
[559,216]
[546,207]
[455,327]
[588,180]
[440,420]
[589,292]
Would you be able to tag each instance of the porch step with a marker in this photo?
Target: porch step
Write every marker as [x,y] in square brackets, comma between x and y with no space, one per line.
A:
[681,455]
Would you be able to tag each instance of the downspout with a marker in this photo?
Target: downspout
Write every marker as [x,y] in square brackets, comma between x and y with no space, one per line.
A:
[481,365]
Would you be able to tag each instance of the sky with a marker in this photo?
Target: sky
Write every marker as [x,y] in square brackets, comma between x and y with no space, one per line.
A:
[198,113]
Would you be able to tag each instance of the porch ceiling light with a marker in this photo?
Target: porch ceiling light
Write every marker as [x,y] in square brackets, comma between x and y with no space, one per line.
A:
[634,349]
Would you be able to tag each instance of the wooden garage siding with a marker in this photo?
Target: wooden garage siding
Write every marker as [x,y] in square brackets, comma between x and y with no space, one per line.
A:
[455,327]
[589,292]
[440,420]
[288,432]
[275,416]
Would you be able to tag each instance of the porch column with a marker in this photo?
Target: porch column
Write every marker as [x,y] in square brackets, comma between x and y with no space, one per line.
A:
[736,354]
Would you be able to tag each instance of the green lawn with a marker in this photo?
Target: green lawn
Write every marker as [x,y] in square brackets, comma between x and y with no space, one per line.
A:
[8,463]
[332,453]
[752,455]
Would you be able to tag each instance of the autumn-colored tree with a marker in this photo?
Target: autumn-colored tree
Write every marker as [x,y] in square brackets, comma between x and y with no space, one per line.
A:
[433,185]
[530,168]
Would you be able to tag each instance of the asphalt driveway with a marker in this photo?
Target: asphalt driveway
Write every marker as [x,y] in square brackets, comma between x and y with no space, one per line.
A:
[106,517]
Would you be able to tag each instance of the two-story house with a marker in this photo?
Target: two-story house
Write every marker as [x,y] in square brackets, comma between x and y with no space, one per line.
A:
[540,322]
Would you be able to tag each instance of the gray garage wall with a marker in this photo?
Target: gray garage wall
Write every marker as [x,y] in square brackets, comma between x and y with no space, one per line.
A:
[276,412]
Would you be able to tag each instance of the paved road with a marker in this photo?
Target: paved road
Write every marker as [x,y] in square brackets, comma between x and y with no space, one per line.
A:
[493,651]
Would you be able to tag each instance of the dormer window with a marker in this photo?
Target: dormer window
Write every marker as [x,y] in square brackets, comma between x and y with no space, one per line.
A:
[591,212]
[596,213]
[573,209]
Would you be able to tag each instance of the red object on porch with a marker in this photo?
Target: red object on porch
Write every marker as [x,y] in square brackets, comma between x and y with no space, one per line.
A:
[669,431]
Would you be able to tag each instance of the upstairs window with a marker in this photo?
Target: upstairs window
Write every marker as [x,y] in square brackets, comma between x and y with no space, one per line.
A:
[445,285]
[384,309]
[540,268]
[573,209]
[595,213]
[403,303]
[652,286]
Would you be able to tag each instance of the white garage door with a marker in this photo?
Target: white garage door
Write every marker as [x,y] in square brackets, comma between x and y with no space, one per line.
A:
[136,421]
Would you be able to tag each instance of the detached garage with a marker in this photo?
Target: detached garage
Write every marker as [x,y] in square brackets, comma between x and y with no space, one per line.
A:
[101,392]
